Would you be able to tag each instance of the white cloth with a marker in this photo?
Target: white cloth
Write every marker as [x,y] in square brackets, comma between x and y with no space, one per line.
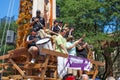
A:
[62,69]
[47,45]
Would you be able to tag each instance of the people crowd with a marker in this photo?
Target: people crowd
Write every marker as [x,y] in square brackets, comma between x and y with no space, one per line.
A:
[63,41]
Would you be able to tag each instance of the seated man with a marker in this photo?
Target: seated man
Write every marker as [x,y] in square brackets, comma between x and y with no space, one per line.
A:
[31,41]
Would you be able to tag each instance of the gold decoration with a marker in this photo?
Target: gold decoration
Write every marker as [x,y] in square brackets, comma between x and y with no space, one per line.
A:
[23,22]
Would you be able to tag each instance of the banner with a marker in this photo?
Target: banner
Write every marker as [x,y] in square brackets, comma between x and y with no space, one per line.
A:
[79,63]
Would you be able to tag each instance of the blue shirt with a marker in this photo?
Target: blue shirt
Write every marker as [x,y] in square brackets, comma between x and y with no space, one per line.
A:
[71,51]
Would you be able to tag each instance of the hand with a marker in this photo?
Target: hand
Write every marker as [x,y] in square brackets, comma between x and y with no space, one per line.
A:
[86,43]
[35,40]
[36,20]
[76,42]
[84,35]
[80,40]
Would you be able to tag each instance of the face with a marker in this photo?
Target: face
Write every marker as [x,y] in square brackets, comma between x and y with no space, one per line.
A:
[61,24]
[38,14]
[72,29]
[64,32]
[34,33]
[56,23]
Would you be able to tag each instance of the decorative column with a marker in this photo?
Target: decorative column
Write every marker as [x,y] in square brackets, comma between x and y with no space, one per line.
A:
[54,9]
[38,5]
[23,22]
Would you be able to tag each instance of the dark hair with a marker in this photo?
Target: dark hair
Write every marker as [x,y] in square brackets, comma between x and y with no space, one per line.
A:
[33,29]
[62,30]
[38,11]
[56,21]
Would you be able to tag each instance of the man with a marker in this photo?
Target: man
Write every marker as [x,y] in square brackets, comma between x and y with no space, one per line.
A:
[70,32]
[38,22]
[56,28]
[81,51]
[60,24]
[31,41]
[61,47]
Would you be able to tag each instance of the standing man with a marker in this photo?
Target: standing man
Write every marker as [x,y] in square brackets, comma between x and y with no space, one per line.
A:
[56,27]
[81,52]
[61,47]
[38,23]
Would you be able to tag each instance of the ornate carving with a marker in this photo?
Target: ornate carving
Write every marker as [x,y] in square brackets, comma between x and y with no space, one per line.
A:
[23,22]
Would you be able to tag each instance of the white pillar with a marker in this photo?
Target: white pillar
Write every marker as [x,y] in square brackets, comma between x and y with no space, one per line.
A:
[38,5]
[54,9]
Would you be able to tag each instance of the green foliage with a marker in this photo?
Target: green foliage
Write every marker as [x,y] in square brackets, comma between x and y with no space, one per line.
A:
[89,17]
[11,26]
[6,48]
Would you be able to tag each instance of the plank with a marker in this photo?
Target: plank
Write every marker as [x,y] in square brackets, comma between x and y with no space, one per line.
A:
[45,67]
[54,53]
[17,67]
[15,53]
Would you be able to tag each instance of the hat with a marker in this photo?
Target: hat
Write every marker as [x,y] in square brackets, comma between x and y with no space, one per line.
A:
[33,29]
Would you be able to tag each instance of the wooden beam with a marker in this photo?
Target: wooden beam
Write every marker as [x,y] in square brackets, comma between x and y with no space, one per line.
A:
[45,67]
[18,52]
[54,53]
[37,66]
[97,63]
[15,53]
[17,67]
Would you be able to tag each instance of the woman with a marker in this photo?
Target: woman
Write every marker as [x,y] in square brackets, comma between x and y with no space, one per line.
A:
[71,47]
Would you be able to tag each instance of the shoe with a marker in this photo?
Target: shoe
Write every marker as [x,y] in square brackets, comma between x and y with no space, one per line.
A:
[28,79]
[39,75]
[32,61]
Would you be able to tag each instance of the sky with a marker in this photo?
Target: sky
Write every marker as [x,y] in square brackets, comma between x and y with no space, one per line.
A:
[6,11]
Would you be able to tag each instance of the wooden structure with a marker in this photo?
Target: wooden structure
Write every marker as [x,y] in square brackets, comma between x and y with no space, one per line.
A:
[18,62]
[17,65]
[43,69]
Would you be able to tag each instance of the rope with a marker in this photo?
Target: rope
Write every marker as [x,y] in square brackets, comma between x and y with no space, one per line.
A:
[3,35]
[10,11]
[9,23]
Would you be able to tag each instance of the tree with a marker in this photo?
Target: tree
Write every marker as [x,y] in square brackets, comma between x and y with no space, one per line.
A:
[11,26]
[92,17]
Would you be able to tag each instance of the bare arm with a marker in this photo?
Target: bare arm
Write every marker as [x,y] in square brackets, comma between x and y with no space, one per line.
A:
[35,20]
[82,47]
[75,44]
[64,48]
[30,41]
